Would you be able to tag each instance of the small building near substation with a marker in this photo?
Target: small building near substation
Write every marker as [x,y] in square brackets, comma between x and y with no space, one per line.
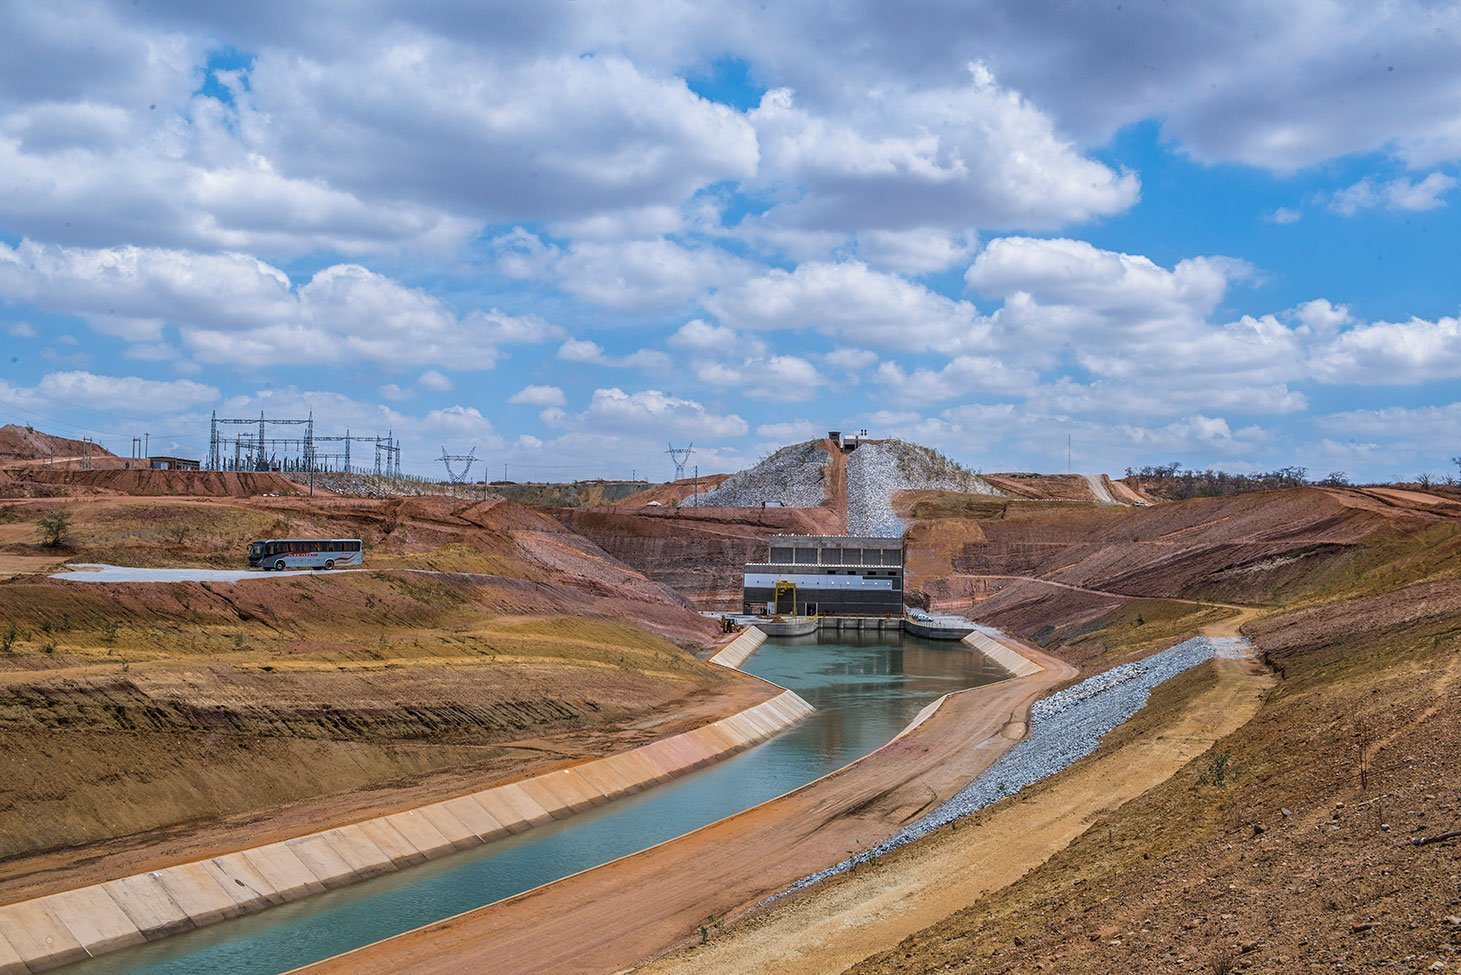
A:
[173,464]
[831,575]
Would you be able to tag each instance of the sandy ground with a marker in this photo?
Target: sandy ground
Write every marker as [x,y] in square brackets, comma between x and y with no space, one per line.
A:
[618,914]
[99,572]
[857,915]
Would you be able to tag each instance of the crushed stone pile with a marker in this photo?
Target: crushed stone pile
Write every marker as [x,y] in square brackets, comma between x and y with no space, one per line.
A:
[1064,727]
[793,477]
[877,471]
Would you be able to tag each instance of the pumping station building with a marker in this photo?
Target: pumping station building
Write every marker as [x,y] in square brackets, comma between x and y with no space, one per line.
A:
[830,575]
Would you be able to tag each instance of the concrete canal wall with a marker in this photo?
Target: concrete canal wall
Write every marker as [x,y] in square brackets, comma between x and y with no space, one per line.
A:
[736,652]
[56,930]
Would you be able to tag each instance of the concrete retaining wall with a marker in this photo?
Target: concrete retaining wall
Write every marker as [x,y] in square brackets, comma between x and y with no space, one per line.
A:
[1017,664]
[62,928]
[736,652]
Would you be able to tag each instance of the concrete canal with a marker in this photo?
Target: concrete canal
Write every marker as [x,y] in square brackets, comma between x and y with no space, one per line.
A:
[865,688]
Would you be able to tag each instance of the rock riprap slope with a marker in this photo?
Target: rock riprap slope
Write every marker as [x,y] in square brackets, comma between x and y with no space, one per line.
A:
[793,477]
[878,471]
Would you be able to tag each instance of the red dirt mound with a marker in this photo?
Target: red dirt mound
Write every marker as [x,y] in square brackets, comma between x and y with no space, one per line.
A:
[1045,487]
[150,483]
[27,443]
[672,493]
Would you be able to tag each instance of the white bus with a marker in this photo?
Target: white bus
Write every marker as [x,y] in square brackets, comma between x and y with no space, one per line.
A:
[304,553]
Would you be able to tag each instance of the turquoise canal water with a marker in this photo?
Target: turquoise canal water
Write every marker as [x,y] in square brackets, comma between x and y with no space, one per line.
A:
[865,691]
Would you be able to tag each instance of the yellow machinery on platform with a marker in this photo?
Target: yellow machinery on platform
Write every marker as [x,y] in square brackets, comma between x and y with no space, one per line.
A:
[785,599]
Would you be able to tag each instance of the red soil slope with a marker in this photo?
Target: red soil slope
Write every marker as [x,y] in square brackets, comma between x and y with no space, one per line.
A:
[18,443]
[150,483]
[698,552]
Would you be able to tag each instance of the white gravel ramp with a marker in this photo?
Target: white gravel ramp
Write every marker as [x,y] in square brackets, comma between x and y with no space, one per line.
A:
[97,572]
[1064,727]
[793,477]
[1098,488]
[877,471]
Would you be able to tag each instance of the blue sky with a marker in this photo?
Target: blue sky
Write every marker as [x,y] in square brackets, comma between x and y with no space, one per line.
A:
[571,233]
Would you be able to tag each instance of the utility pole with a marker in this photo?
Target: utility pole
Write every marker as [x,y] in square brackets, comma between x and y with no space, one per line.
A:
[697,485]
[146,445]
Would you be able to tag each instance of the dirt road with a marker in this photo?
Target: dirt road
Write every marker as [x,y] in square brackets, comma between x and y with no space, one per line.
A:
[1098,488]
[872,910]
[618,914]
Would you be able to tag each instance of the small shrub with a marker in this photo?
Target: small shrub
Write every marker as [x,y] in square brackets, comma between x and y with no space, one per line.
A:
[48,648]
[7,639]
[109,630]
[1218,771]
[54,526]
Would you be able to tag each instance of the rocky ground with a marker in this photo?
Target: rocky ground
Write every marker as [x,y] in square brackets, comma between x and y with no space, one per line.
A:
[793,477]
[880,470]
[1064,727]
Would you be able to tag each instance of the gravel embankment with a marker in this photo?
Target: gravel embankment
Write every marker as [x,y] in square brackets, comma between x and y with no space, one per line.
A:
[1064,727]
[793,477]
[876,472]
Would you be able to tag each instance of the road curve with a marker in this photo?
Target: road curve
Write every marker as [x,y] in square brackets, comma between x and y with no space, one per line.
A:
[616,915]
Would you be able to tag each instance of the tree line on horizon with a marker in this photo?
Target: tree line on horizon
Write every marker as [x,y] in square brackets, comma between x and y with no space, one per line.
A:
[1178,483]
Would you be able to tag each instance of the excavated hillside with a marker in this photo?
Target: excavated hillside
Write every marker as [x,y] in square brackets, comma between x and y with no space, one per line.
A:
[1297,813]
[1013,561]
[698,552]
[1314,838]
[146,720]
[144,482]
[18,443]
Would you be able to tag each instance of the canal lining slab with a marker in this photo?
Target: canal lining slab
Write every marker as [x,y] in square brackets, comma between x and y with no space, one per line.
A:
[200,896]
[457,832]
[94,919]
[290,876]
[529,810]
[249,886]
[357,849]
[149,906]
[476,818]
[417,830]
[10,961]
[40,937]
[317,853]
[392,843]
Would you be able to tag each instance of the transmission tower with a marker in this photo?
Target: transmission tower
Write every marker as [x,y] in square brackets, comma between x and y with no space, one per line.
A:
[467,459]
[679,455]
